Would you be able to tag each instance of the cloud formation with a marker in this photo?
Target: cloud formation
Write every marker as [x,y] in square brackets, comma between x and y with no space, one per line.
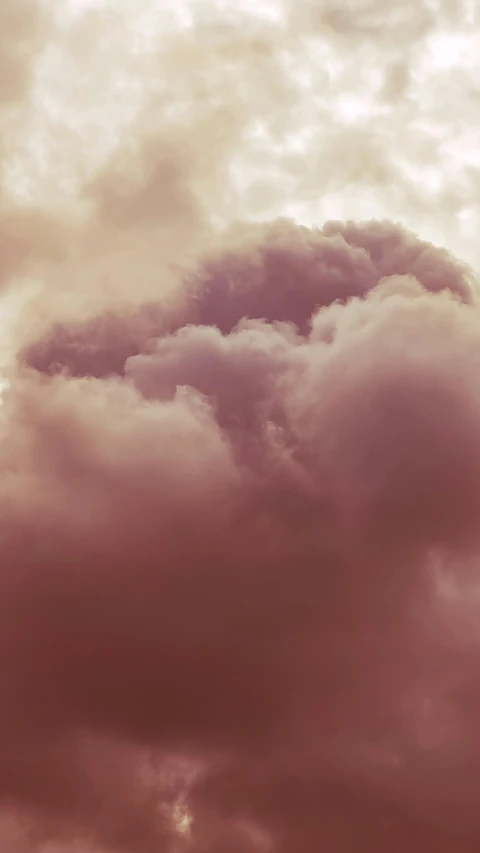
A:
[227,547]
[240,476]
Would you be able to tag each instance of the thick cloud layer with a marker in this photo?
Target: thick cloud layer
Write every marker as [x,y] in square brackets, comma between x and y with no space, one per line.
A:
[278,272]
[239,461]
[235,552]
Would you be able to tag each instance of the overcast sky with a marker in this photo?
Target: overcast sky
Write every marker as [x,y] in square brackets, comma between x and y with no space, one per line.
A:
[350,110]
[239,460]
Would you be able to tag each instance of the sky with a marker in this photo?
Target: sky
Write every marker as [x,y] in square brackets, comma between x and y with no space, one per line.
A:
[240,426]
[371,114]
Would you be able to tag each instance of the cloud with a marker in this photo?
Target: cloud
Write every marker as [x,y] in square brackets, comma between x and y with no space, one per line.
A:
[21,33]
[224,553]
[240,487]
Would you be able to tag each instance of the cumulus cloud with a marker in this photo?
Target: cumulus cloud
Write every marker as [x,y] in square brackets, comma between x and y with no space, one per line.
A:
[240,477]
[220,548]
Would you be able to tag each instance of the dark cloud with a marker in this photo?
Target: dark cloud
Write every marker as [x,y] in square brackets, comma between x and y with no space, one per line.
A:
[240,478]
[224,552]
[277,272]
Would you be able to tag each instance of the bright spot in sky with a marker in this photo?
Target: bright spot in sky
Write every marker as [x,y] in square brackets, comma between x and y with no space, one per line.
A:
[351,108]
[449,50]
[182,818]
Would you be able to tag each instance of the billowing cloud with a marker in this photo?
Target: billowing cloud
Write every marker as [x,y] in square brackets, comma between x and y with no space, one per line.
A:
[239,457]
[221,549]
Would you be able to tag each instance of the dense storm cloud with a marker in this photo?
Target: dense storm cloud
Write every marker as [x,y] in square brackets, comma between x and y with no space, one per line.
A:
[239,462]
